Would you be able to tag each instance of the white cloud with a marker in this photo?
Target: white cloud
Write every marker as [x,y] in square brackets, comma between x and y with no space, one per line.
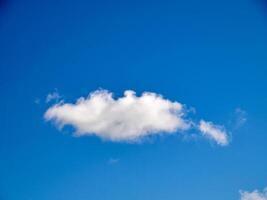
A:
[255,195]
[128,118]
[214,132]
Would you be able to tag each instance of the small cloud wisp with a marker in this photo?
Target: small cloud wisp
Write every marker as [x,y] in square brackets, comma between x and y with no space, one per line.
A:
[214,132]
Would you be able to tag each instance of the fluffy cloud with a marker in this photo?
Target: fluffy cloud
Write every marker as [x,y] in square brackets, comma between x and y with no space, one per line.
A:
[255,195]
[128,118]
[214,132]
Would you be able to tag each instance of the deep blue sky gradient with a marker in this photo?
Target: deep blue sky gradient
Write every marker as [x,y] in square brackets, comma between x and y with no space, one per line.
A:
[211,55]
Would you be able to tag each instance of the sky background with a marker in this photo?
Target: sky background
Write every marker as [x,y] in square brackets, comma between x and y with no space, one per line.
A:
[210,55]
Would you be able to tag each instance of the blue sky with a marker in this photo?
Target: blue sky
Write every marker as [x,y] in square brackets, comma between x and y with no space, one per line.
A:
[209,55]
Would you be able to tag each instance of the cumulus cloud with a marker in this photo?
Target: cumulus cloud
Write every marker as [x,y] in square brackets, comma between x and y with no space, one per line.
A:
[255,195]
[214,132]
[128,118]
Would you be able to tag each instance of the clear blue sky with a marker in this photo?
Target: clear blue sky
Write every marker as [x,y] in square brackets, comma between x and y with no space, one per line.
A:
[208,54]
